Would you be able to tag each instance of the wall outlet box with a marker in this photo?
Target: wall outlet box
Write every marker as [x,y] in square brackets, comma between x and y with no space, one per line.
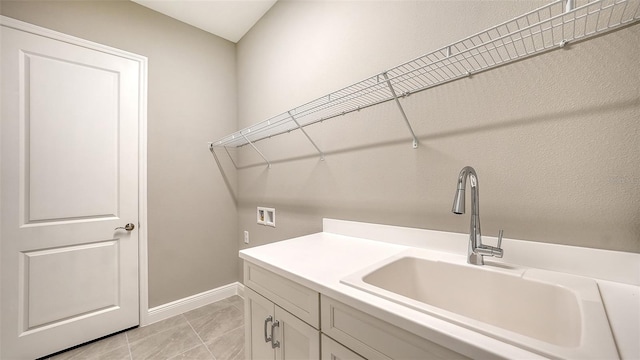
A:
[266,216]
[246,237]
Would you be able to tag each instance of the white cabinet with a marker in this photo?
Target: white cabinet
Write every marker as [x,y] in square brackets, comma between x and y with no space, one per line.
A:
[274,333]
[258,317]
[271,329]
[282,321]
[299,300]
[333,350]
[374,338]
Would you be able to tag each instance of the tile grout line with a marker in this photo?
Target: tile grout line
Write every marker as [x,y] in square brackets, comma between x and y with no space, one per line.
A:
[186,351]
[234,329]
[157,332]
[198,335]
[217,337]
[229,304]
[129,342]
[128,346]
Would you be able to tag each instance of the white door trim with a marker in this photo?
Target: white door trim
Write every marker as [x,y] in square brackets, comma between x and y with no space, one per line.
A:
[142,143]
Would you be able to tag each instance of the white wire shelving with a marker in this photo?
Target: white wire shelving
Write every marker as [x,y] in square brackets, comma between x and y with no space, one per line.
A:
[549,27]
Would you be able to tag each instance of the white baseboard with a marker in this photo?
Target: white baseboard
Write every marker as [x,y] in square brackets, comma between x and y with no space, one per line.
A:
[181,306]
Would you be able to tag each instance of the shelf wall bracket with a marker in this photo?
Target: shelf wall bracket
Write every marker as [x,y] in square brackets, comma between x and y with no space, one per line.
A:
[256,149]
[231,158]
[212,147]
[307,135]
[404,116]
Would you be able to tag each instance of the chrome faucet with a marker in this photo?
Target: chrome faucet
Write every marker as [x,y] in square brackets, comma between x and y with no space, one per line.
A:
[477,250]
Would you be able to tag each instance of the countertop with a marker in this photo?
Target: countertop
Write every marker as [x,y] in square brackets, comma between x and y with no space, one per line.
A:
[319,261]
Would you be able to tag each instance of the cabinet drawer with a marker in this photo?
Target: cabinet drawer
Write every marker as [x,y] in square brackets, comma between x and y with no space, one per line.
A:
[333,350]
[374,338]
[292,297]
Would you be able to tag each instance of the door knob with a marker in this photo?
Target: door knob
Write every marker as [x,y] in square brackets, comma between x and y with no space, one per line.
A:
[127,227]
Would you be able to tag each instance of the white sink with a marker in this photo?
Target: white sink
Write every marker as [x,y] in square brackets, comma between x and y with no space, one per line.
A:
[553,314]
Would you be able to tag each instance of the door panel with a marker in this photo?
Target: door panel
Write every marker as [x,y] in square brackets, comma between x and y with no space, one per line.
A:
[91,283]
[69,177]
[79,123]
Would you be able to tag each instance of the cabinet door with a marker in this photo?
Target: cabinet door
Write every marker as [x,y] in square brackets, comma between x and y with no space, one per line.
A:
[376,339]
[298,340]
[332,350]
[258,318]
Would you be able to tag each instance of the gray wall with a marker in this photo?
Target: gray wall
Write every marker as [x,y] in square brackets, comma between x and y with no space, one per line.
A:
[555,139]
[191,99]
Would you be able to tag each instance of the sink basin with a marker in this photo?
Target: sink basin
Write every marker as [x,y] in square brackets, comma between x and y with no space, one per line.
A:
[553,314]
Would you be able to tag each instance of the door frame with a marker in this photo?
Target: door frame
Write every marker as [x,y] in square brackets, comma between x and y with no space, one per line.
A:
[143,268]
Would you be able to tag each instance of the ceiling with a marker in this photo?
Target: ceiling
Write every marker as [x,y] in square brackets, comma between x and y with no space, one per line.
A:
[229,19]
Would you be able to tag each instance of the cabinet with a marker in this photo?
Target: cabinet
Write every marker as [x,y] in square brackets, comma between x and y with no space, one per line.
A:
[282,318]
[274,333]
[374,338]
[300,301]
[333,350]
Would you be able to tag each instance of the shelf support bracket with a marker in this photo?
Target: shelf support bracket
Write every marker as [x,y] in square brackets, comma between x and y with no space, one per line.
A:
[307,135]
[212,147]
[256,149]
[404,116]
[231,158]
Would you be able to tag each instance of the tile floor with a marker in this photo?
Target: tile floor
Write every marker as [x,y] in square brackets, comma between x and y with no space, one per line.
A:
[212,332]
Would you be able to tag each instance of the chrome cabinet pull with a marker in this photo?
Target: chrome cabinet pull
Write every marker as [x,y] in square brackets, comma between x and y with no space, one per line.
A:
[127,227]
[266,321]
[274,344]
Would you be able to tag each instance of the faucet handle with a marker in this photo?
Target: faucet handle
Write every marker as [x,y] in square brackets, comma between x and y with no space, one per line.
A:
[500,238]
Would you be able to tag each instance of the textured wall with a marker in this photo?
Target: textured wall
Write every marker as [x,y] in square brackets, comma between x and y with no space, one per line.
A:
[191,99]
[555,139]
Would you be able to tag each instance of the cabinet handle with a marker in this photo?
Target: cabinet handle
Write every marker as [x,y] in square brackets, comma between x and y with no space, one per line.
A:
[266,321]
[274,344]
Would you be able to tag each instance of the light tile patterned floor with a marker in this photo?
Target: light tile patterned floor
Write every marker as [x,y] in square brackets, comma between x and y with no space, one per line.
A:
[212,332]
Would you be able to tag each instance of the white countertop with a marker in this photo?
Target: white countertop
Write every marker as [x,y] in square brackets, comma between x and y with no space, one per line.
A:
[319,261]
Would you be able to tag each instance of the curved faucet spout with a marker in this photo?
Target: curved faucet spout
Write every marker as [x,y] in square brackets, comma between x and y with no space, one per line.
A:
[476,249]
[459,200]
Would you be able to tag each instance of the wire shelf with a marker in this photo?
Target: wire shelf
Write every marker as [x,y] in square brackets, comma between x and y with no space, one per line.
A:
[540,30]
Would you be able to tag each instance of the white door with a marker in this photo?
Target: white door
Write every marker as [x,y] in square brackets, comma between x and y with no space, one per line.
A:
[69,177]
